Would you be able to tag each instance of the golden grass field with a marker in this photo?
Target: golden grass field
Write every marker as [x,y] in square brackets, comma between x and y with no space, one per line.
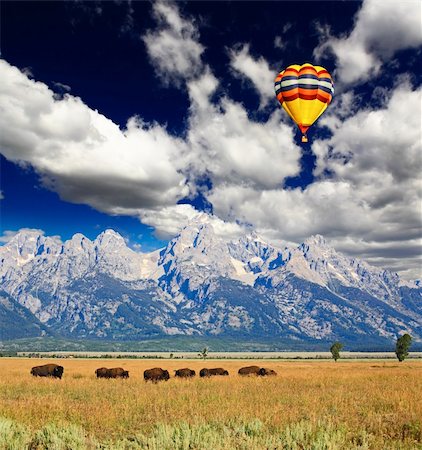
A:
[377,404]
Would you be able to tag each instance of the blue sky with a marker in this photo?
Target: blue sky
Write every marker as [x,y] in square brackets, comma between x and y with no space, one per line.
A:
[136,115]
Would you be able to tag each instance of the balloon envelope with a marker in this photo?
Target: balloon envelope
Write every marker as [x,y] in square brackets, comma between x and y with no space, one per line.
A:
[304,92]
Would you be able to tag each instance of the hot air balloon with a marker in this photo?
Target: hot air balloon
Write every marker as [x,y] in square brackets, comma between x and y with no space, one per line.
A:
[304,92]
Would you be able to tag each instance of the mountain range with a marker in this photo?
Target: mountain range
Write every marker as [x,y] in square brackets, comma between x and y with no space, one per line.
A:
[200,284]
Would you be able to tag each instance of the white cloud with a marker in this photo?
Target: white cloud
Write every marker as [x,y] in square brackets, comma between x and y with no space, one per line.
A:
[382,27]
[278,42]
[129,20]
[168,221]
[255,70]
[370,142]
[325,207]
[135,246]
[83,155]
[228,146]
[173,49]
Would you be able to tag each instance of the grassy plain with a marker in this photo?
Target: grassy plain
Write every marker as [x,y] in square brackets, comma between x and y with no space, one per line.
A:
[370,404]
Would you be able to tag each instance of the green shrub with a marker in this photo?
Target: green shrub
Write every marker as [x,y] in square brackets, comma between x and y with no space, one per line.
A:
[60,437]
[239,435]
[249,435]
[13,436]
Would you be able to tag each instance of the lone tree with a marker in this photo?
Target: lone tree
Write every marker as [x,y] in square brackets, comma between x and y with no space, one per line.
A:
[335,350]
[402,347]
[204,353]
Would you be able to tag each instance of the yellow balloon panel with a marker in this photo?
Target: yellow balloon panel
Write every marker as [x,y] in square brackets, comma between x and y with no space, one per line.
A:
[304,112]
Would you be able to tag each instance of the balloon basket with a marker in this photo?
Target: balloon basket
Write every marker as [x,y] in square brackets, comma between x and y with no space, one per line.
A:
[304,139]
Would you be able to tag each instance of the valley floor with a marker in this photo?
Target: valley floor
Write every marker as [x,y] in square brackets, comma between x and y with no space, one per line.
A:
[370,404]
[220,355]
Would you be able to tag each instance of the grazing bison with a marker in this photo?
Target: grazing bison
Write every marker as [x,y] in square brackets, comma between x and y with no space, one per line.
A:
[267,372]
[212,372]
[250,370]
[156,375]
[184,373]
[116,372]
[48,370]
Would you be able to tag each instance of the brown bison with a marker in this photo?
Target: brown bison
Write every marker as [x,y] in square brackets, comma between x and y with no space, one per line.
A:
[156,375]
[213,372]
[116,372]
[255,370]
[267,372]
[48,370]
[250,370]
[184,373]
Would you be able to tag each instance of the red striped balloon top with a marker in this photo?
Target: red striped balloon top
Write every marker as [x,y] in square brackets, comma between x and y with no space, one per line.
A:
[306,83]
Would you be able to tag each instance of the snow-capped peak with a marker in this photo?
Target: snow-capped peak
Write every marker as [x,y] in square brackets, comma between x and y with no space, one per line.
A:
[27,234]
[26,242]
[316,240]
[110,238]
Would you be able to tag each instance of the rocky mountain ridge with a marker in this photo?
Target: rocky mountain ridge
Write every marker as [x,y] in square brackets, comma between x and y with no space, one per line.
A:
[204,284]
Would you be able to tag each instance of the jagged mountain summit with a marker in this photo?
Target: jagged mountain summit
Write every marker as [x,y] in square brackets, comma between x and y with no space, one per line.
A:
[201,284]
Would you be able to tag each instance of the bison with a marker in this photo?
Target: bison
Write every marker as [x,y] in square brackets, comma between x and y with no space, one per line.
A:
[250,370]
[156,374]
[116,372]
[255,370]
[267,372]
[48,370]
[184,373]
[213,372]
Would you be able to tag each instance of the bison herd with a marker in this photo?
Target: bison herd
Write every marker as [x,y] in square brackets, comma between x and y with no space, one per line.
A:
[156,374]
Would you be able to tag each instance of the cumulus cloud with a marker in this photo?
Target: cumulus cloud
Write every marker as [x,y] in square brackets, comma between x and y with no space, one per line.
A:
[382,27]
[229,147]
[370,142]
[173,48]
[256,71]
[168,221]
[83,155]
[325,207]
